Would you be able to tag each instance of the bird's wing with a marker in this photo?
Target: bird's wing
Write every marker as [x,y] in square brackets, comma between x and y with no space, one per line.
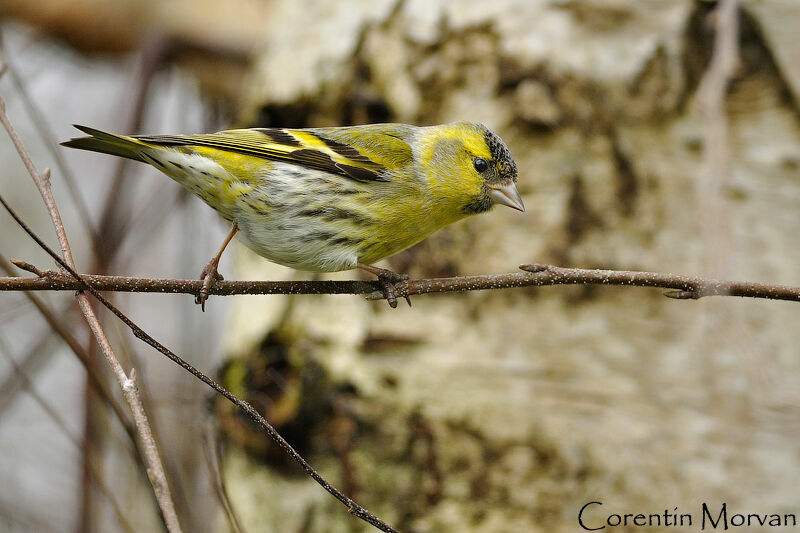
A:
[363,153]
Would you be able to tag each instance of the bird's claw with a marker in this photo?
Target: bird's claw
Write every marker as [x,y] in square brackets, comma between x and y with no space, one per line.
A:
[387,279]
[209,276]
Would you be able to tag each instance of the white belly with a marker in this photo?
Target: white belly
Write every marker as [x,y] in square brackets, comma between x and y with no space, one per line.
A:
[272,212]
[298,244]
[279,230]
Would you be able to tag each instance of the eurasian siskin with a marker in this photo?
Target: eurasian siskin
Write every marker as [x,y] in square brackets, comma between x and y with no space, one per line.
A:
[330,199]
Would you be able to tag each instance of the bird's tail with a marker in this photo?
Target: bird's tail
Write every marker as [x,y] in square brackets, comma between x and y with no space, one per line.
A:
[107,143]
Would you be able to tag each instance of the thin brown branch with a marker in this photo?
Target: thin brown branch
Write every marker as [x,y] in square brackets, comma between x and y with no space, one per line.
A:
[155,468]
[683,287]
[128,384]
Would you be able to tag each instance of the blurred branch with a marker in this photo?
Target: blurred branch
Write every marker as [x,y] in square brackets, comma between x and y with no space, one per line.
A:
[25,382]
[683,287]
[30,363]
[127,383]
[213,455]
[714,217]
[46,133]
[116,215]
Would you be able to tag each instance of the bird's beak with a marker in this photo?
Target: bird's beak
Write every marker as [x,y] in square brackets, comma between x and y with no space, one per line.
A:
[507,194]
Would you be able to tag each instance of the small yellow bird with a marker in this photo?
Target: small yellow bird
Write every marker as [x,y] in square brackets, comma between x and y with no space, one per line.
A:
[330,199]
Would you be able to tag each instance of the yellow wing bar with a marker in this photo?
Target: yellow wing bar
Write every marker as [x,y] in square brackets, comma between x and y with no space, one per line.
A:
[308,148]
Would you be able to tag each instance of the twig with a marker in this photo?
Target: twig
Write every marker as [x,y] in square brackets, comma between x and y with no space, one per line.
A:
[155,468]
[128,384]
[684,287]
[27,267]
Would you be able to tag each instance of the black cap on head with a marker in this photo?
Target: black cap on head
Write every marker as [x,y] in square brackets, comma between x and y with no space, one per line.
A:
[505,166]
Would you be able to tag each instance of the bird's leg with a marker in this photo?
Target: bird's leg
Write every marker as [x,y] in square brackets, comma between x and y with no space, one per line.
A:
[210,274]
[387,279]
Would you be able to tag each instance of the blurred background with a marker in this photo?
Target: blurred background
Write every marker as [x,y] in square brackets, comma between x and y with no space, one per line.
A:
[653,135]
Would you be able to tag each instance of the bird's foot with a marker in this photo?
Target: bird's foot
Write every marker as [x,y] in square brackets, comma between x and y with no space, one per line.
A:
[210,274]
[387,280]
[209,277]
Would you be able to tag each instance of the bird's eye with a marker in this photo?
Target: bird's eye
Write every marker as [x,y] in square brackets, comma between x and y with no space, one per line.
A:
[480,164]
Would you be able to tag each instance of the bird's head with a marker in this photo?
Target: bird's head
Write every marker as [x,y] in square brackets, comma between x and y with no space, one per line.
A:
[469,168]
